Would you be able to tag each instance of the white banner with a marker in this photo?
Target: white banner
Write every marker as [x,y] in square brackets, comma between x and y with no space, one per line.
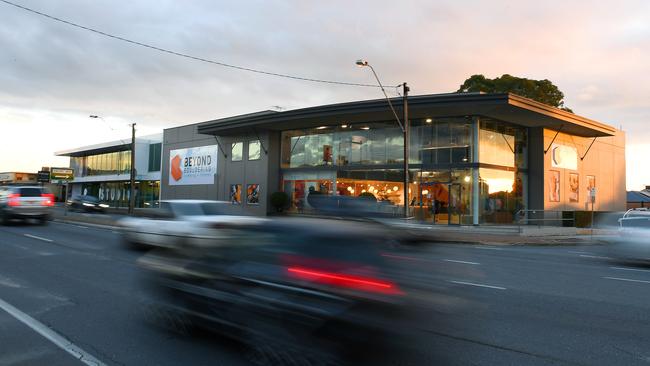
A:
[195,165]
[564,157]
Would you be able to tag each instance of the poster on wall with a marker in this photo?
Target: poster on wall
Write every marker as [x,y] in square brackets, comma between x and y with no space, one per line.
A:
[565,157]
[591,182]
[574,187]
[235,194]
[253,194]
[554,186]
[195,165]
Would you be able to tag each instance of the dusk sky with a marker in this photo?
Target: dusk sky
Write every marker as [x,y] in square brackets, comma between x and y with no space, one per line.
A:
[54,75]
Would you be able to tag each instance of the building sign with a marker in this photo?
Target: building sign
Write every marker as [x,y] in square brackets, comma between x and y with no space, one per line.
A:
[7,177]
[59,175]
[564,157]
[43,176]
[196,165]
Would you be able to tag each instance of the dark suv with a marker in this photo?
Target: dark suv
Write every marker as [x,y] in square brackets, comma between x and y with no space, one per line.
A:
[25,202]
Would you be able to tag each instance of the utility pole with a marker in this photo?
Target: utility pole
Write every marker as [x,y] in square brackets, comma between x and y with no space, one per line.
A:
[132,194]
[406,150]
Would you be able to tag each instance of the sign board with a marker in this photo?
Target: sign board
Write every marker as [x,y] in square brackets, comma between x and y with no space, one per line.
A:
[43,176]
[61,174]
[592,194]
[7,177]
[564,157]
[195,165]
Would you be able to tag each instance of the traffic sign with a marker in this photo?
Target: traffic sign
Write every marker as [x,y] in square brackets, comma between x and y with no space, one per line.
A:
[43,176]
[60,174]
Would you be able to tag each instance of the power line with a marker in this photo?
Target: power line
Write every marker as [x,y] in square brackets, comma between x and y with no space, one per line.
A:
[242,68]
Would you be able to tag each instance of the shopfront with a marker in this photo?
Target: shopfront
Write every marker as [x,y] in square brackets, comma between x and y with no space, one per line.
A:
[473,158]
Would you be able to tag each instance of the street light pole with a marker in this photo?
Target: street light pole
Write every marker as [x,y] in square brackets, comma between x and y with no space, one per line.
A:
[406,150]
[405,130]
[132,194]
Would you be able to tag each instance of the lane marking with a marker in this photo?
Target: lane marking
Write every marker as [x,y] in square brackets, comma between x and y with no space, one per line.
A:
[594,256]
[577,252]
[631,269]
[83,227]
[403,257]
[51,335]
[478,285]
[488,248]
[463,262]
[625,279]
[38,238]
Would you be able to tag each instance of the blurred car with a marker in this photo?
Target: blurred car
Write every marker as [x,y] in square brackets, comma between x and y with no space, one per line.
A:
[25,202]
[299,292]
[87,204]
[178,223]
[633,241]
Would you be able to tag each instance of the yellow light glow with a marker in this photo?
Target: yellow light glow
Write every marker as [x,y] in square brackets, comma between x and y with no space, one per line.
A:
[425,191]
[363,191]
[467,178]
[349,189]
[395,188]
[429,120]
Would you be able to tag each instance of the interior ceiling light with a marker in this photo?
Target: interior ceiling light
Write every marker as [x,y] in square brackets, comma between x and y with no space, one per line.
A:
[344,126]
[321,127]
[365,128]
[428,120]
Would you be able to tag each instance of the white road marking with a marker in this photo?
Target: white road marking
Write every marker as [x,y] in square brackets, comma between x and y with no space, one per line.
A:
[625,279]
[51,335]
[83,227]
[478,285]
[631,269]
[38,238]
[594,256]
[577,252]
[463,262]
[489,248]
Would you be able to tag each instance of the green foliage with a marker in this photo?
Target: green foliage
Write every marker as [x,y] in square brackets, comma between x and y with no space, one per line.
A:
[543,91]
[279,201]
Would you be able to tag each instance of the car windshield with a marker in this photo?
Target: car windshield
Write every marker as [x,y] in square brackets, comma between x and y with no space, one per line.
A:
[30,192]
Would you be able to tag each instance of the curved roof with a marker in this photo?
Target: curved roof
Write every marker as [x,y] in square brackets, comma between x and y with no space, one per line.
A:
[506,107]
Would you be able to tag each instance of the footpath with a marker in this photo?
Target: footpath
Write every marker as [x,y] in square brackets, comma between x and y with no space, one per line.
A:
[485,234]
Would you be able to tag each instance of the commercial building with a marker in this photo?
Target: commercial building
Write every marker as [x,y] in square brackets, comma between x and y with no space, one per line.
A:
[638,199]
[18,178]
[104,171]
[474,158]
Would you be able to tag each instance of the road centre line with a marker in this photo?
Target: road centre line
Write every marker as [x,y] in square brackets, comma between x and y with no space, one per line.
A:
[463,262]
[478,285]
[631,269]
[38,238]
[625,279]
[51,335]
[594,256]
[488,248]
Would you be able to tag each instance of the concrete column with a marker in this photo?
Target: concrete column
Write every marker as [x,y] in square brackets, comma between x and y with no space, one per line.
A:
[476,194]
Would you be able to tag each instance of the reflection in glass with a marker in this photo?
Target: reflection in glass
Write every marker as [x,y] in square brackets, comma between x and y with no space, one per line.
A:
[254,150]
[237,151]
[501,195]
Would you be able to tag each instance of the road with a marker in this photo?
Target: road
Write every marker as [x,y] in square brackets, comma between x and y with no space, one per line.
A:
[71,291]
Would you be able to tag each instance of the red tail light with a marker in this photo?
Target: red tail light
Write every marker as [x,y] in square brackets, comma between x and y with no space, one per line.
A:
[345,280]
[49,199]
[13,200]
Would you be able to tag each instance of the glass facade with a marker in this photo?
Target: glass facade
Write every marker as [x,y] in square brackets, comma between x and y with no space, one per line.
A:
[102,164]
[117,194]
[155,152]
[367,158]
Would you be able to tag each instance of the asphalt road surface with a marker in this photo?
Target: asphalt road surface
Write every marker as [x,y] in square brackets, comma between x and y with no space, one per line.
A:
[72,294]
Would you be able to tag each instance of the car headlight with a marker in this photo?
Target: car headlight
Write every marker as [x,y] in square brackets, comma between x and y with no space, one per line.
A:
[88,204]
[103,205]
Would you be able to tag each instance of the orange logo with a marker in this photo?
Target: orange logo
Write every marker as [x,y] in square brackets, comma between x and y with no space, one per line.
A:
[176,171]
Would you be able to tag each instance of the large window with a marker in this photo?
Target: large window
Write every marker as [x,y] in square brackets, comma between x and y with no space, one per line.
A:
[114,163]
[502,144]
[154,157]
[254,150]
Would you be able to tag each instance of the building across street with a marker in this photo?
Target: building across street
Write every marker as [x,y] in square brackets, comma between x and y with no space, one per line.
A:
[474,158]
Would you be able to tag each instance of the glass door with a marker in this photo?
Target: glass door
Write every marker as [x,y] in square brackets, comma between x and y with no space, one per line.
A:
[455,204]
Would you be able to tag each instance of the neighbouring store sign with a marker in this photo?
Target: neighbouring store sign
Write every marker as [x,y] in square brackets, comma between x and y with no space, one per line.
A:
[196,165]
[565,157]
[6,177]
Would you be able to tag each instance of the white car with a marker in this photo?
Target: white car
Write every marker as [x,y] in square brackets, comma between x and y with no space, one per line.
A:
[633,241]
[182,222]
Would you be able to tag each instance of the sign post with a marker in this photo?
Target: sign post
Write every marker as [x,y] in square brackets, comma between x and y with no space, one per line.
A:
[592,198]
[62,175]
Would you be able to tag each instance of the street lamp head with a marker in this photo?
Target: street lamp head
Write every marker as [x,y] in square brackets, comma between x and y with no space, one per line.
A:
[362,63]
[93,116]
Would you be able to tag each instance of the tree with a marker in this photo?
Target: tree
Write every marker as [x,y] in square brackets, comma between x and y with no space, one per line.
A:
[543,91]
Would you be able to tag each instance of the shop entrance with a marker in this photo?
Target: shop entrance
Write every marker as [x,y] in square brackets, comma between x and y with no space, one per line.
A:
[440,203]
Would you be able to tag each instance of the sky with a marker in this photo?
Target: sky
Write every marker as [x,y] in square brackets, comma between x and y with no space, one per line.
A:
[53,76]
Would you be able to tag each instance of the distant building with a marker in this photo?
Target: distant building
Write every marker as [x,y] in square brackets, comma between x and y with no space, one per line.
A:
[17,178]
[104,171]
[638,199]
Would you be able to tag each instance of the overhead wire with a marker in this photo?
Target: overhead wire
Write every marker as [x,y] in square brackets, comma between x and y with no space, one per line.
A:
[188,56]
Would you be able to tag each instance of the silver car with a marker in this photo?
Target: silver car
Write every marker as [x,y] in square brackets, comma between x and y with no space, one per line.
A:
[181,222]
[25,202]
